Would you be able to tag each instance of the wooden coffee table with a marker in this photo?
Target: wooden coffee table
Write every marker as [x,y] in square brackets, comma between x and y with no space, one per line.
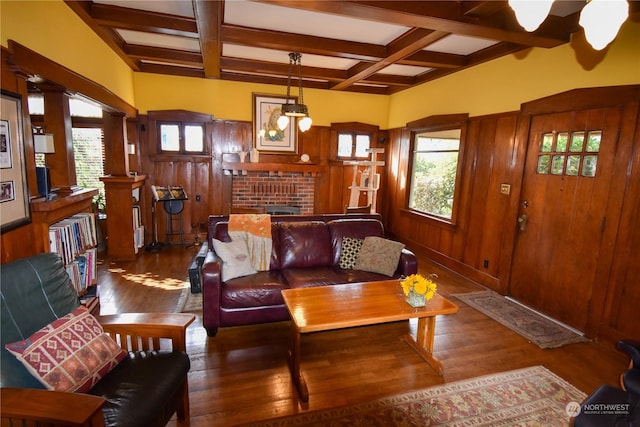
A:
[325,308]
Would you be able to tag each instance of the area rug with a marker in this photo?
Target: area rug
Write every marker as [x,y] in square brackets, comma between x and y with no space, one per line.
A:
[540,330]
[189,302]
[531,396]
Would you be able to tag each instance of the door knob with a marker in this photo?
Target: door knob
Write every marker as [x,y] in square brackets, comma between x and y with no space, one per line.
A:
[522,221]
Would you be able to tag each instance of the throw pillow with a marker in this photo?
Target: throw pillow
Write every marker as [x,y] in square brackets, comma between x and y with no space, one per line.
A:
[379,255]
[236,261]
[349,252]
[71,353]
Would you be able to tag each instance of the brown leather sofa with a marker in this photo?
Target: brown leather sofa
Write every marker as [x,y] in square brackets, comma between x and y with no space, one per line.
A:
[305,252]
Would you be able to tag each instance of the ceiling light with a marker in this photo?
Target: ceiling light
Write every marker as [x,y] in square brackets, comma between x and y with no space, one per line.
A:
[295,109]
[602,19]
[531,13]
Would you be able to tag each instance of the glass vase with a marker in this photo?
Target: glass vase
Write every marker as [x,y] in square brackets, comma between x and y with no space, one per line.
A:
[415,299]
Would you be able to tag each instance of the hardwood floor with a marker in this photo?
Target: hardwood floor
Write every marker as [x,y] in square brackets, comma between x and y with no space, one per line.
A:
[241,375]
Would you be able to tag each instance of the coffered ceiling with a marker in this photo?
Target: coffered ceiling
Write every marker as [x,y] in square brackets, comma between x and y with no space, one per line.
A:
[362,46]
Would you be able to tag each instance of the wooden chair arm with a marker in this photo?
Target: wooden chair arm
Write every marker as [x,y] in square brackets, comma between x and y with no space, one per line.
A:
[24,406]
[143,331]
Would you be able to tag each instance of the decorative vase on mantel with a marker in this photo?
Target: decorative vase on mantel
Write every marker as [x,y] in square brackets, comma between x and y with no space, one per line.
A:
[418,289]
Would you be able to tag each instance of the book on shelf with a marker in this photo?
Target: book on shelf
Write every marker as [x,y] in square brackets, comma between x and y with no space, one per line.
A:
[75,240]
[172,192]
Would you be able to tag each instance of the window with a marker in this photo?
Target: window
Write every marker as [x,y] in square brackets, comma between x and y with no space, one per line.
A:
[434,172]
[353,145]
[565,153]
[181,137]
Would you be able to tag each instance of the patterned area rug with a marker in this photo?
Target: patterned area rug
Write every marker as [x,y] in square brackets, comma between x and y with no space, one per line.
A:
[189,302]
[543,332]
[525,397]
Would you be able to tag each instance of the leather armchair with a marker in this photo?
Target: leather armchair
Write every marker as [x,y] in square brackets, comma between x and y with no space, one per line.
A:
[630,379]
[146,388]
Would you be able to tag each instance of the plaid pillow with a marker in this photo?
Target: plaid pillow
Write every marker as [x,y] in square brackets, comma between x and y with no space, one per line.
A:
[349,252]
[70,354]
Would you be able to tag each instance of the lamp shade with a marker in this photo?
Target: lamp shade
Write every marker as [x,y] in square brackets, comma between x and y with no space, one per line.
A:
[602,20]
[43,143]
[529,13]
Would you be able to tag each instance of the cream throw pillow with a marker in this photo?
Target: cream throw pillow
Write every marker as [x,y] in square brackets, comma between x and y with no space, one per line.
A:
[379,255]
[236,261]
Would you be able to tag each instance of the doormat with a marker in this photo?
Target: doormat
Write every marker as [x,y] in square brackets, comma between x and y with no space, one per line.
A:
[189,302]
[531,396]
[540,330]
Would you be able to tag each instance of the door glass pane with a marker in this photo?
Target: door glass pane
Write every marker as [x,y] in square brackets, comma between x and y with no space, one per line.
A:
[573,163]
[561,144]
[557,165]
[547,142]
[589,164]
[593,141]
[169,138]
[543,164]
[362,144]
[577,141]
[345,145]
[193,138]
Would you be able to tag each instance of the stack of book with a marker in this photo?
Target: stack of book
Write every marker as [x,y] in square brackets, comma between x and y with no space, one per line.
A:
[74,239]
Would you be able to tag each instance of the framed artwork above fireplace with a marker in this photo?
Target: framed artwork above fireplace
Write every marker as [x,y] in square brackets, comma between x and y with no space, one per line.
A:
[267,136]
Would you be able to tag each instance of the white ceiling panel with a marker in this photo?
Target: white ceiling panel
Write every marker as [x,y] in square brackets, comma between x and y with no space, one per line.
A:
[280,56]
[404,70]
[460,45]
[272,17]
[173,7]
[159,40]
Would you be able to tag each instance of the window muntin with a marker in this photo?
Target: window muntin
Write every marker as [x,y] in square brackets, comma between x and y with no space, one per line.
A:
[352,145]
[181,138]
[434,172]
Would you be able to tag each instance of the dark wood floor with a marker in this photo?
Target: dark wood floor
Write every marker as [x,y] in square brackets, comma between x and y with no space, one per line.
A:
[241,375]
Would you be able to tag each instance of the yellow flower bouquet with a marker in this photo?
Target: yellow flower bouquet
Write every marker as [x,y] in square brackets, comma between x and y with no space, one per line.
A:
[419,289]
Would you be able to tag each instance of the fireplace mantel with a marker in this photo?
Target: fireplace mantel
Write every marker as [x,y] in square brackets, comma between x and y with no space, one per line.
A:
[240,168]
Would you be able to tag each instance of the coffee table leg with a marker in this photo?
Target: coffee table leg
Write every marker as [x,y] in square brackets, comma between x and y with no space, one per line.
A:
[423,342]
[294,365]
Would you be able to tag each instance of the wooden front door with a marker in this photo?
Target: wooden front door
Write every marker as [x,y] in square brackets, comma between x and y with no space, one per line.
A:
[562,213]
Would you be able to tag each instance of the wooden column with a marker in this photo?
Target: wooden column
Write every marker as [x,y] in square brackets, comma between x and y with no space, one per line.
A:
[115,141]
[57,119]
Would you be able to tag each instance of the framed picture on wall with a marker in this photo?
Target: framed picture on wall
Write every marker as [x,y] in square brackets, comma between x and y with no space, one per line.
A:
[267,136]
[14,195]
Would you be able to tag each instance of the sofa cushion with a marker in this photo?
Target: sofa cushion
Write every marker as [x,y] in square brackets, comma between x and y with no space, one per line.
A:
[379,255]
[349,252]
[305,244]
[70,354]
[235,259]
[141,390]
[262,288]
[323,276]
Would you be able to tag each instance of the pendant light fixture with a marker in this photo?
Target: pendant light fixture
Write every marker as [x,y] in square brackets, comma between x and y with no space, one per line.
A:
[529,13]
[602,20]
[295,109]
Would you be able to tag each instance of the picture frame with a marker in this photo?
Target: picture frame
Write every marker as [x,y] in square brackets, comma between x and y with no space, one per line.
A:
[14,194]
[267,137]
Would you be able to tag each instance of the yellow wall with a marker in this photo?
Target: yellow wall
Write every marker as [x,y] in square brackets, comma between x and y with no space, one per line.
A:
[503,84]
[53,30]
[233,100]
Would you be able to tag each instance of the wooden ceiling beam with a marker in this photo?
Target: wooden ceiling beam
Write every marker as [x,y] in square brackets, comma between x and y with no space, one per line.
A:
[171,70]
[142,20]
[209,14]
[301,43]
[162,54]
[410,42]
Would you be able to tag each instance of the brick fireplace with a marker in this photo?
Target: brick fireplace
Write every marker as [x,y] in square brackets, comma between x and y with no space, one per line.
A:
[286,189]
